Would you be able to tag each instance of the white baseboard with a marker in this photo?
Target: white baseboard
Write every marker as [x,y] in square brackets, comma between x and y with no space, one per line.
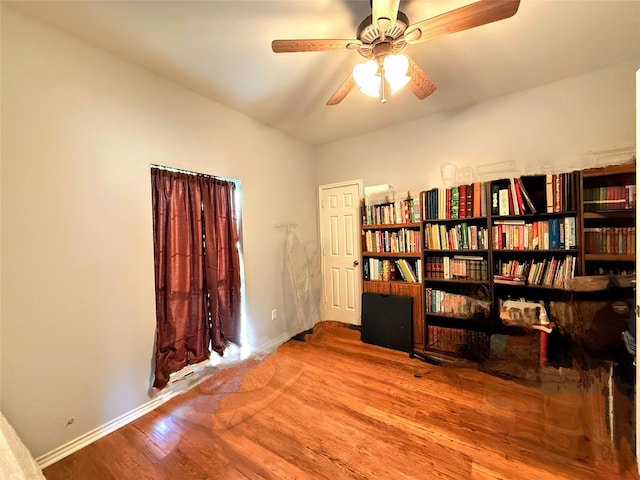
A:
[82,441]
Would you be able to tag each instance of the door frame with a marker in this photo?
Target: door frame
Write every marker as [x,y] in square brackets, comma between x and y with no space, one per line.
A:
[357,241]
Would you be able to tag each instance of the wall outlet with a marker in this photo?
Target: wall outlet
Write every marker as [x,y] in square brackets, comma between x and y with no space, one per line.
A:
[274,314]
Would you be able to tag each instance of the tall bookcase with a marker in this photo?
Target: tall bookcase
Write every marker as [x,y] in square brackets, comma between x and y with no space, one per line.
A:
[457,287]
[392,256]
[536,245]
[608,227]
[516,238]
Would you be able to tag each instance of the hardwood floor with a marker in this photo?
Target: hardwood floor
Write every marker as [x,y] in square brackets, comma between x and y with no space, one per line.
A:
[332,407]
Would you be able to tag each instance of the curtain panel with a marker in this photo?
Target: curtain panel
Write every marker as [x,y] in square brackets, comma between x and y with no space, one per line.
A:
[197,269]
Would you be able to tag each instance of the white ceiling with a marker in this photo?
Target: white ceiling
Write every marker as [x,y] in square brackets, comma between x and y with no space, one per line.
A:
[222,49]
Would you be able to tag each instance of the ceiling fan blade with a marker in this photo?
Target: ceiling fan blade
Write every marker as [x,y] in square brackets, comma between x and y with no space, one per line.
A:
[469,16]
[420,84]
[342,90]
[283,46]
[384,13]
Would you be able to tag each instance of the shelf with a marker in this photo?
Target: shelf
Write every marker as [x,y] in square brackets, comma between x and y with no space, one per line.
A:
[457,281]
[394,282]
[607,214]
[392,254]
[449,321]
[534,216]
[455,252]
[455,220]
[387,226]
[609,257]
[528,286]
[565,251]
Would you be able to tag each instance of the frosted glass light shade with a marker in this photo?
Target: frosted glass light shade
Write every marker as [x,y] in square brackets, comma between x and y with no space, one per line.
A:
[395,69]
[365,77]
[368,78]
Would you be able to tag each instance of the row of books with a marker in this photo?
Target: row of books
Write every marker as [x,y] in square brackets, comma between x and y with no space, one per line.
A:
[455,237]
[457,267]
[615,197]
[462,201]
[403,211]
[458,341]
[548,193]
[455,305]
[616,240]
[387,270]
[551,272]
[404,240]
[552,234]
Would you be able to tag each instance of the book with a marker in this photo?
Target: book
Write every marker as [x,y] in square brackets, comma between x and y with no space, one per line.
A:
[477,199]
[503,201]
[462,201]
[549,192]
[495,199]
[515,201]
[554,234]
[525,196]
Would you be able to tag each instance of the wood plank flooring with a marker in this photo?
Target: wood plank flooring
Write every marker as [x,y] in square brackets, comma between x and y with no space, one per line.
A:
[331,407]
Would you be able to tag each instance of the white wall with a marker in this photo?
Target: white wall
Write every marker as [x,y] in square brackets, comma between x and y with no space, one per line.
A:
[80,128]
[553,124]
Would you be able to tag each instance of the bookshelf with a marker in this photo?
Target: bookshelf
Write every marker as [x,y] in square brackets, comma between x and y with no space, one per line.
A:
[392,237]
[535,247]
[521,238]
[608,227]
[457,287]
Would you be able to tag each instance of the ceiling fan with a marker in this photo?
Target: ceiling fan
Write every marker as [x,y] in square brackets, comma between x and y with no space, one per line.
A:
[384,34]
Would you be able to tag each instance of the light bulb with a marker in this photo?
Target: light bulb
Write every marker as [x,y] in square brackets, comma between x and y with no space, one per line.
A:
[365,76]
[395,69]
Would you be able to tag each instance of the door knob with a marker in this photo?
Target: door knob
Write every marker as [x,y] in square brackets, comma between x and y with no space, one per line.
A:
[356,263]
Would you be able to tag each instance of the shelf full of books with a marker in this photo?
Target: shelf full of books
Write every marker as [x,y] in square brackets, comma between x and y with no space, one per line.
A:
[456,268]
[556,233]
[457,305]
[534,194]
[391,213]
[553,272]
[456,236]
[401,240]
[608,219]
[461,201]
[390,270]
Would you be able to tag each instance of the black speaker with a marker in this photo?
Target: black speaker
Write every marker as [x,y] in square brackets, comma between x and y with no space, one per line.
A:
[387,321]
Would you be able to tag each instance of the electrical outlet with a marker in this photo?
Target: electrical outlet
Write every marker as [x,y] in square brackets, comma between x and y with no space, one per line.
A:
[274,314]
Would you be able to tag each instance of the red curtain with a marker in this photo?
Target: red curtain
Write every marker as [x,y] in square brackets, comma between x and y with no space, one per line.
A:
[197,269]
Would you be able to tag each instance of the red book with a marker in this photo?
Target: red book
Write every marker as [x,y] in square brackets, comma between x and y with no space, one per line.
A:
[511,207]
[462,199]
[477,199]
[516,186]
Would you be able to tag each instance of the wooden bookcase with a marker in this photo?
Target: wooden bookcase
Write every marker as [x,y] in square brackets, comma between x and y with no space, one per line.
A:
[564,225]
[457,287]
[392,239]
[608,227]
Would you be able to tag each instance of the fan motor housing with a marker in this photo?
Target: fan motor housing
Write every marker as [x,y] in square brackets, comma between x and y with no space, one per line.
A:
[374,44]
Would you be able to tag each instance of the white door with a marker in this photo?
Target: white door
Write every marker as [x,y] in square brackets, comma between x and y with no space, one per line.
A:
[341,257]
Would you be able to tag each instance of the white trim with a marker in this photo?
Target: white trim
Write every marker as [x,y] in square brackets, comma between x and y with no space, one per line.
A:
[321,188]
[82,441]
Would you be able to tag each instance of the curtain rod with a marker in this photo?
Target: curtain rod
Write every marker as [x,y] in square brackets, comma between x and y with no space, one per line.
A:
[196,174]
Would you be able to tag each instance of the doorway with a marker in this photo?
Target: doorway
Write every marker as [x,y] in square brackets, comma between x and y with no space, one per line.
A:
[340,240]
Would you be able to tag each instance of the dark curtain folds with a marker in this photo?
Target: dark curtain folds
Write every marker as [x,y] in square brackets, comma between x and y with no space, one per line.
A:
[197,269]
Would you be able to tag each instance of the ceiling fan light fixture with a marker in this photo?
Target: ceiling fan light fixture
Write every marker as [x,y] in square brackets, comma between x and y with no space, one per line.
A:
[395,71]
[367,78]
